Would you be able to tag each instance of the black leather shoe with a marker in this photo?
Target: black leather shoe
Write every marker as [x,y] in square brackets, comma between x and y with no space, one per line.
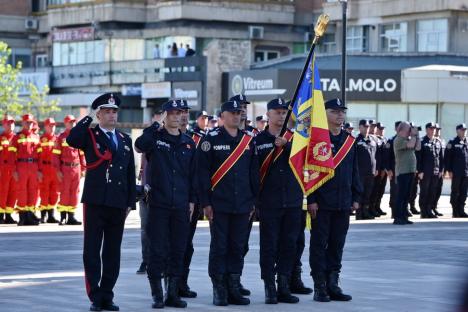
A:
[110,306]
[141,269]
[95,307]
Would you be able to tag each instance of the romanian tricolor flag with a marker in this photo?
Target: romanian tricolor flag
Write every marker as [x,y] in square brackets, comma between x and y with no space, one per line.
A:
[311,157]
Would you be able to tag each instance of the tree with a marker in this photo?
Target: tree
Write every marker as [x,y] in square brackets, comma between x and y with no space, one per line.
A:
[9,83]
[38,105]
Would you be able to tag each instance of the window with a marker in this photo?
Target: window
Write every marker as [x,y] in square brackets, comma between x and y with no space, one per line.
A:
[20,55]
[328,44]
[62,2]
[393,37]
[433,35]
[42,60]
[265,55]
[357,39]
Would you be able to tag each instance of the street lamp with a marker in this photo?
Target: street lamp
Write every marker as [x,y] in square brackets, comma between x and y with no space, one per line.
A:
[344,6]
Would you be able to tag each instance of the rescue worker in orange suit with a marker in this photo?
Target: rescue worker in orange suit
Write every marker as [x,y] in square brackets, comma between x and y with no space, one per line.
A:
[27,144]
[8,177]
[71,164]
[48,182]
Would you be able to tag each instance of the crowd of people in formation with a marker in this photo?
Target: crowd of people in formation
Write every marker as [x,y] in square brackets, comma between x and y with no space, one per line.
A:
[38,173]
[424,163]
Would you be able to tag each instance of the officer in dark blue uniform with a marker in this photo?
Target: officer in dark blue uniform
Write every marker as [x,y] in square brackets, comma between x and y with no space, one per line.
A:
[109,194]
[349,127]
[202,124]
[440,183]
[366,151]
[170,155]
[330,207]
[380,181]
[456,164]
[228,184]
[430,166]
[184,289]
[279,206]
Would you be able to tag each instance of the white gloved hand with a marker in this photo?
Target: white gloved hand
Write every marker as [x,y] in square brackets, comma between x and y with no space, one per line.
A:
[92,112]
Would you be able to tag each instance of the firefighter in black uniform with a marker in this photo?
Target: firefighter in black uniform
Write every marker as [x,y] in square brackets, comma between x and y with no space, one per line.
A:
[202,123]
[380,180]
[456,164]
[366,148]
[330,207]
[279,206]
[440,183]
[430,168]
[170,155]
[109,194]
[184,289]
[227,166]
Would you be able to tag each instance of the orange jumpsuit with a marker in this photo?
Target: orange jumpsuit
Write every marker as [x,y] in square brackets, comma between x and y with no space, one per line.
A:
[7,167]
[27,144]
[71,162]
[47,165]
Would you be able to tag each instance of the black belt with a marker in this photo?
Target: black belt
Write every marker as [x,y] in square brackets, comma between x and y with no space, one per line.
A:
[27,160]
[70,164]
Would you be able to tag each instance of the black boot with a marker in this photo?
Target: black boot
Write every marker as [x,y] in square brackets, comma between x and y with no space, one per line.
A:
[359,215]
[244,291]
[366,214]
[172,295]
[284,293]
[43,216]
[234,295]
[71,219]
[63,217]
[2,218]
[157,294]
[22,218]
[461,212]
[413,210]
[142,268]
[334,289]
[30,219]
[184,289]
[219,290]
[9,219]
[320,288]
[51,217]
[381,212]
[296,285]
[271,296]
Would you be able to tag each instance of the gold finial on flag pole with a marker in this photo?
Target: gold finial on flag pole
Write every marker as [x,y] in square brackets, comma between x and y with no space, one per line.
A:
[321,27]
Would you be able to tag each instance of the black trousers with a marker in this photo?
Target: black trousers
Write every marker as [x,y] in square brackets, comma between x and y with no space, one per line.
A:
[440,184]
[404,182]
[167,231]
[103,228]
[458,194]
[393,194]
[378,191]
[413,191]
[191,233]
[300,243]
[229,233]
[145,249]
[327,240]
[428,192]
[279,230]
[367,185]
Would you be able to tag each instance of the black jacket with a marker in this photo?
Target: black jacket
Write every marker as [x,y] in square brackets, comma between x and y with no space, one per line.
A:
[366,150]
[430,158]
[237,190]
[456,157]
[171,164]
[280,187]
[118,190]
[390,155]
[345,187]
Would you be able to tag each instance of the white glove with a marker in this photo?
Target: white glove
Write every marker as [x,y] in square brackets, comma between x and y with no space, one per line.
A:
[92,112]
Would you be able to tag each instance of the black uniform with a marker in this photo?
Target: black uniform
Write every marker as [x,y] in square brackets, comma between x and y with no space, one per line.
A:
[440,183]
[366,149]
[334,199]
[171,160]
[456,162]
[109,190]
[232,199]
[279,211]
[380,181]
[431,164]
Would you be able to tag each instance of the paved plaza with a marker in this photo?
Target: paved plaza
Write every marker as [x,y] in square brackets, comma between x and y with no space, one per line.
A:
[386,268]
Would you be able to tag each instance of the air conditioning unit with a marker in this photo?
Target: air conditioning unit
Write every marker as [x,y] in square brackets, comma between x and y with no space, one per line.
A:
[255,32]
[31,24]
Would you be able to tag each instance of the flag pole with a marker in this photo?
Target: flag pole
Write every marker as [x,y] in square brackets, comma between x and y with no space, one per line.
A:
[319,30]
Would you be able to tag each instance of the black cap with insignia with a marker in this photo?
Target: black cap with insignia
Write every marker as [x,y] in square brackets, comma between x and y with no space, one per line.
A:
[380,126]
[438,127]
[335,104]
[277,103]
[372,122]
[431,125]
[202,114]
[349,125]
[183,104]
[461,126]
[171,105]
[239,98]
[231,106]
[107,100]
[364,122]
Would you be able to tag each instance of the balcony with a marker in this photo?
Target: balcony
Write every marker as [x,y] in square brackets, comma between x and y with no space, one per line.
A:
[382,8]
[129,72]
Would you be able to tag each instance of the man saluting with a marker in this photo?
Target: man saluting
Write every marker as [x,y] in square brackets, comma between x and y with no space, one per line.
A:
[108,196]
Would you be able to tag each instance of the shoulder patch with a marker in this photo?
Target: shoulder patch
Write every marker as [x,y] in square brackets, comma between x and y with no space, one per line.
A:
[387,145]
[205,146]
[449,145]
